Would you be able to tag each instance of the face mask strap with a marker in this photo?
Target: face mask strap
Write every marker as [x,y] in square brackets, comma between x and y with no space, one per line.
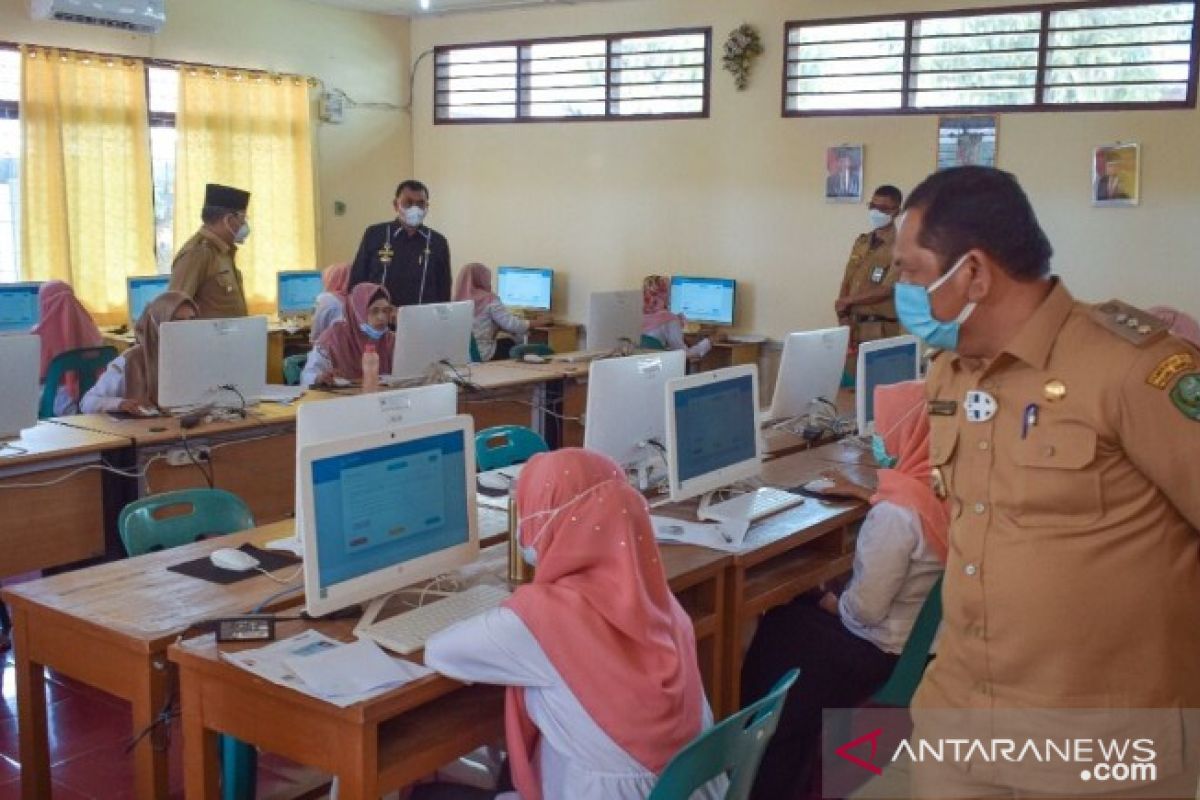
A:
[552,512]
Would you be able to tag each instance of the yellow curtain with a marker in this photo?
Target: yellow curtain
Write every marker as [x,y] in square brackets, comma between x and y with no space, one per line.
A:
[87,213]
[251,131]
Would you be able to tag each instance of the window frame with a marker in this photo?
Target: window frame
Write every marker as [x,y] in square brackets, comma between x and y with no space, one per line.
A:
[1039,104]
[607,116]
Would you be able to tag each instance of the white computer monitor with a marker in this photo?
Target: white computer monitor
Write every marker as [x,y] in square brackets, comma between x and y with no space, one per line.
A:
[810,367]
[710,300]
[18,307]
[712,430]
[20,361]
[431,335]
[140,290]
[298,290]
[525,287]
[883,362]
[625,405]
[388,510]
[613,319]
[197,358]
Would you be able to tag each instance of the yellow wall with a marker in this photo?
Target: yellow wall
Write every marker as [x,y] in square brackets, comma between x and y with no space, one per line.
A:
[365,55]
[741,193]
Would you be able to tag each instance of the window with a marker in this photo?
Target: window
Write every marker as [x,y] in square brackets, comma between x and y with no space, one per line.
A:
[163,86]
[622,76]
[10,166]
[1121,55]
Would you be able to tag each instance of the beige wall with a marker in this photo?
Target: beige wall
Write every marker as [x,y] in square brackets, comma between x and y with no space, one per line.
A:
[365,55]
[741,193]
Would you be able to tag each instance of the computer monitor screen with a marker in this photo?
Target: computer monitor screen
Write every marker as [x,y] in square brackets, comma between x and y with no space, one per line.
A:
[614,317]
[525,287]
[810,367]
[388,510]
[880,363]
[298,292]
[625,410]
[21,355]
[712,430]
[199,359]
[708,300]
[431,335]
[18,307]
[141,290]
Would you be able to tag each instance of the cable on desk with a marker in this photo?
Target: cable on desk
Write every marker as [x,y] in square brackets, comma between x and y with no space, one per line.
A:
[282,593]
[79,470]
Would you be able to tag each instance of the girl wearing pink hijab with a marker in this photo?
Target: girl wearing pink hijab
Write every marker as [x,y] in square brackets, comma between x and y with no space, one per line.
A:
[1182,325]
[659,323]
[474,283]
[331,303]
[63,325]
[599,657]
[847,646]
[338,353]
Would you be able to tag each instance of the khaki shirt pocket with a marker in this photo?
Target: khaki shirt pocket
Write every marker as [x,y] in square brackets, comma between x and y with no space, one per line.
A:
[943,440]
[1056,483]
[226,280]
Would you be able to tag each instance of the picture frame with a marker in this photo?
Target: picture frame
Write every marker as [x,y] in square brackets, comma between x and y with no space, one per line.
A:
[966,140]
[844,173]
[1116,179]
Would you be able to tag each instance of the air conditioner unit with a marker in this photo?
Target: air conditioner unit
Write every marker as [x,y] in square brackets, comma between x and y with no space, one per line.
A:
[141,16]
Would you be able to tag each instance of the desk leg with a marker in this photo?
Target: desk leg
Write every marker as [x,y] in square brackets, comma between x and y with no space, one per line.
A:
[201,765]
[360,754]
[735,589]
[550,395]
[31,714]
[150,757]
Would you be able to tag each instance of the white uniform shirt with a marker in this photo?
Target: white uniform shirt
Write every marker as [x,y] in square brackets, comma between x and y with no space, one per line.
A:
[671,334]
[108,392]
[495,318]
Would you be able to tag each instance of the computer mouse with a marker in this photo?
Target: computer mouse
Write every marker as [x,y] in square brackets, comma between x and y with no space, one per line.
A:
[231,559]
[533,358]
[818,486]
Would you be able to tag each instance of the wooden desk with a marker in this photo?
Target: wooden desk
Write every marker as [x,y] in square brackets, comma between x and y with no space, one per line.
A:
[730,354]
[55,514]
[561,337]
[778,442]
[515,393]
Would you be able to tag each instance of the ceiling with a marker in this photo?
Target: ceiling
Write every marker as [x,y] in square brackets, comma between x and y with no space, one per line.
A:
[413,7]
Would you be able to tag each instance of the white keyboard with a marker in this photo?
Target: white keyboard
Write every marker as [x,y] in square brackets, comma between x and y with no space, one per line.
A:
[751,506]
[406,633]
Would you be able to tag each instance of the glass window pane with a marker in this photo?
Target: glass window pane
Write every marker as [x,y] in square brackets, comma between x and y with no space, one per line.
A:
[1154,93]
[1156,72]
[848,84]
[967,80]
[858,31]
[627,108]
[10,75]
[657,44]
[985,23]
[10,200]
[566,109]
[162,168]
[843,102]
[973,98]
[1118,15]
[164,90]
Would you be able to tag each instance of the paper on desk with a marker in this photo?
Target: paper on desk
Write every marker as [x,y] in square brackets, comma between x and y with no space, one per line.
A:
[353,669]
[279,393]
[728,537]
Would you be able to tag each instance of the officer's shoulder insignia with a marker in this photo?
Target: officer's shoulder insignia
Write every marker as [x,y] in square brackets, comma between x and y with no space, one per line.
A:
[1186,396]
[1124,321]
[1170,368]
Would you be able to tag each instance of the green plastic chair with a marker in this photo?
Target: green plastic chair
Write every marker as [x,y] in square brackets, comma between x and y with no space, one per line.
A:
[293,367]
[505,445]
[474,351]
[733,747]
[214,512]
[651,343]
[536,348]
[87,363]
[906,675]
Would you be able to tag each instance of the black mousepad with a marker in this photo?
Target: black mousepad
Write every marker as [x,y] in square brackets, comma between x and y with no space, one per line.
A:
[205,570]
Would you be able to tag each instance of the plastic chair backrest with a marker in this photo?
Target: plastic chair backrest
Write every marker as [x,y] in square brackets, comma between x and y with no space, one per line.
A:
[651,343]
[906,675]
[87,363]
[505,445]
[535,348]
[293,368]
[205,512]
[474,351]
[734,747]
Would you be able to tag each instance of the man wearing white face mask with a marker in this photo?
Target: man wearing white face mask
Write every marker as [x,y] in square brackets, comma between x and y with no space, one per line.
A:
[204,269]
[865,299]
[408,258]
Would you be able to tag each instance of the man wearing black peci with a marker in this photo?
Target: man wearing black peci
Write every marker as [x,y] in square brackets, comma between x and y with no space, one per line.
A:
[411,260]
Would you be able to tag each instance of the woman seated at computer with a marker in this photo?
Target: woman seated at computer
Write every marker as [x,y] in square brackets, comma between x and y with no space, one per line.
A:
[599,657]
[474,283]
[338,354]
[130,384]
[331,303]
[63,325]
[660,324]
[846,647]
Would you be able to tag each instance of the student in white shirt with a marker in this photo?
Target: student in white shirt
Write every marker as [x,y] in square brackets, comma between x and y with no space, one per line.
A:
[599,657]
[474,283]
[131,381]
[659,323]
[846,647]
[331,303]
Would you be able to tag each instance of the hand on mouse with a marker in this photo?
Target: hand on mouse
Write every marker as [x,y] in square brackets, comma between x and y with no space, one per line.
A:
[844,487]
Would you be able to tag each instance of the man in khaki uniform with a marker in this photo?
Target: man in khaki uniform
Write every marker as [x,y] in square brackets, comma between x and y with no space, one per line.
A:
[865,299]
[204,268]
[1063,436]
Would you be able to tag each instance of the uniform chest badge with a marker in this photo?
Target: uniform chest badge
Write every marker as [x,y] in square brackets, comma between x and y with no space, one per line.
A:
[1186,396]
[979,406]
[877,274]
[1054,390]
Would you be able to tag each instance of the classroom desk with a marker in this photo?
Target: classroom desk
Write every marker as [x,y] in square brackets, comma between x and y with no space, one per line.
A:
[561,337]
[729,354]
[53,513]
[778,442]
[515,393]
[277,340]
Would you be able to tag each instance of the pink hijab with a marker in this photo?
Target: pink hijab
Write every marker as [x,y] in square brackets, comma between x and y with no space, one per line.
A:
[63,324]
[343,341]
[656,306]
[600,608]
[337,279]
[475,283]
[1182,325]
[902,419]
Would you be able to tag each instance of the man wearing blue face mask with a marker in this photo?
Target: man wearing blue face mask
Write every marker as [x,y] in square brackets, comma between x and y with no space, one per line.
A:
[205,269]
[865,299]
[408,258]
[1073,574]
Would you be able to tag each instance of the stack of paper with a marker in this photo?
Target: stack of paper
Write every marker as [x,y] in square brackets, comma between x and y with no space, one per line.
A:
[729,536]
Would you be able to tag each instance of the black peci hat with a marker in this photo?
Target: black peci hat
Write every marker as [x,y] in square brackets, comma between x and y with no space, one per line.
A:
[218,196]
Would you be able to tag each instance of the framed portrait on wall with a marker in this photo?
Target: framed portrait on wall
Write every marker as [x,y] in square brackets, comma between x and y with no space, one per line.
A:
[844,173]
[1116,175]
[965,141]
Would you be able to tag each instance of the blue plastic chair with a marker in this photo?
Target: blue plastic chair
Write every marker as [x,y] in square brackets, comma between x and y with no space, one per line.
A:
[505,445]
[474,351]
[733,747]
[87,363]
[519,351]
[651,343]
[293,368]
[213,512]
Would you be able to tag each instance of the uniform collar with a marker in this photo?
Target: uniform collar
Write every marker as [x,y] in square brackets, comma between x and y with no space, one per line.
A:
[884,235]
[1033,343]
[222,246]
